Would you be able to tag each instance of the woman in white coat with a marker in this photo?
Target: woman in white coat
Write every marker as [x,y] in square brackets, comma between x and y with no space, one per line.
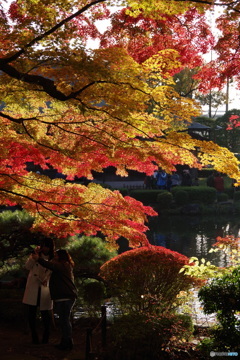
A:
[37,292]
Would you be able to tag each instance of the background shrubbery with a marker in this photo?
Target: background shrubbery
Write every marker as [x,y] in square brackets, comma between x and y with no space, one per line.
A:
[222,296]
[140,336]
[146,196]
[188,194]
[197,194]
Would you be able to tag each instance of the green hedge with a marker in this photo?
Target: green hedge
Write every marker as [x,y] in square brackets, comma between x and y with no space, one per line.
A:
[197,194]
[124,191]
[165,199]
[181,197]
[146,196]
[222,197]
[237,196]
[229,191]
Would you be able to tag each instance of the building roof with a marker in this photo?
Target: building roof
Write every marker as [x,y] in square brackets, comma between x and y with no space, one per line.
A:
[198,126]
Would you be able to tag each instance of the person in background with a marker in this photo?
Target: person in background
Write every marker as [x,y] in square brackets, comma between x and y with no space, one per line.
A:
[218,182]
[155,174]
[148,182]
[186,178]
[161,179]
[169,182]
[210,180]
[63,292]
[175,179]
[37,292]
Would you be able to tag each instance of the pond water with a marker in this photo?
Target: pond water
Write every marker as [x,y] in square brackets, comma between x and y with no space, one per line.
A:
[193,235]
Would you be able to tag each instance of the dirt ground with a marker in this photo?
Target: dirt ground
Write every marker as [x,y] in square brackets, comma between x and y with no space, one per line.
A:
[15,344]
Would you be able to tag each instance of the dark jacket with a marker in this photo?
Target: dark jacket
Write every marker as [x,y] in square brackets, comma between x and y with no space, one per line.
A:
[61,282]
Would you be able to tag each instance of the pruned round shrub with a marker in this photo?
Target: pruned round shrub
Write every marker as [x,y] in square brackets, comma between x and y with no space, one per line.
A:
[222,197]
[164,199]
[146,278]
[237,196]
[181,197]
[146,196]
[124,191]
[197,194]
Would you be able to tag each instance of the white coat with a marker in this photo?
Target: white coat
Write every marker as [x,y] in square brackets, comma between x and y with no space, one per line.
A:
[38,277]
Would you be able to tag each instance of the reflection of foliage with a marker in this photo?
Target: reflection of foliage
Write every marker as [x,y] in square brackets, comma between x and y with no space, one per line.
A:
[203,269]
[147,279]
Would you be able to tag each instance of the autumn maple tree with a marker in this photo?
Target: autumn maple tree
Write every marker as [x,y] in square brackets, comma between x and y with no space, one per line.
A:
[80,110]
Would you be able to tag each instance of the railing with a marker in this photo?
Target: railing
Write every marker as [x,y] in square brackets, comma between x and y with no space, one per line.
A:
[90,353]
[133,187]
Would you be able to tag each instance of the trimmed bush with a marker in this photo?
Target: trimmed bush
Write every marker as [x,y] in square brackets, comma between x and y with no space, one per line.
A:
[181,197]
[222,197]
[230,191]
[197,194]
[146,196]
[164,200]
[124,191]
[147,278]
[237,196]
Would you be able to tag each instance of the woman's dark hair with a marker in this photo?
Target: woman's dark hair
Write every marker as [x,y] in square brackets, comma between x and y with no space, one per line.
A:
[64,256]
[48,242]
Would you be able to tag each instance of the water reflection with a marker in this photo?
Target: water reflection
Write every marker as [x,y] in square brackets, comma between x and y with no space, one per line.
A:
[201,245]
[193,235]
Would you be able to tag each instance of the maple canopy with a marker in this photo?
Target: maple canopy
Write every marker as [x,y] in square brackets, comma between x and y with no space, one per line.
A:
[78,110]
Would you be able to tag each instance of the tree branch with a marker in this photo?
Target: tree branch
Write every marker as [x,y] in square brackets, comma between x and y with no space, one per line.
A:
[49,32]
